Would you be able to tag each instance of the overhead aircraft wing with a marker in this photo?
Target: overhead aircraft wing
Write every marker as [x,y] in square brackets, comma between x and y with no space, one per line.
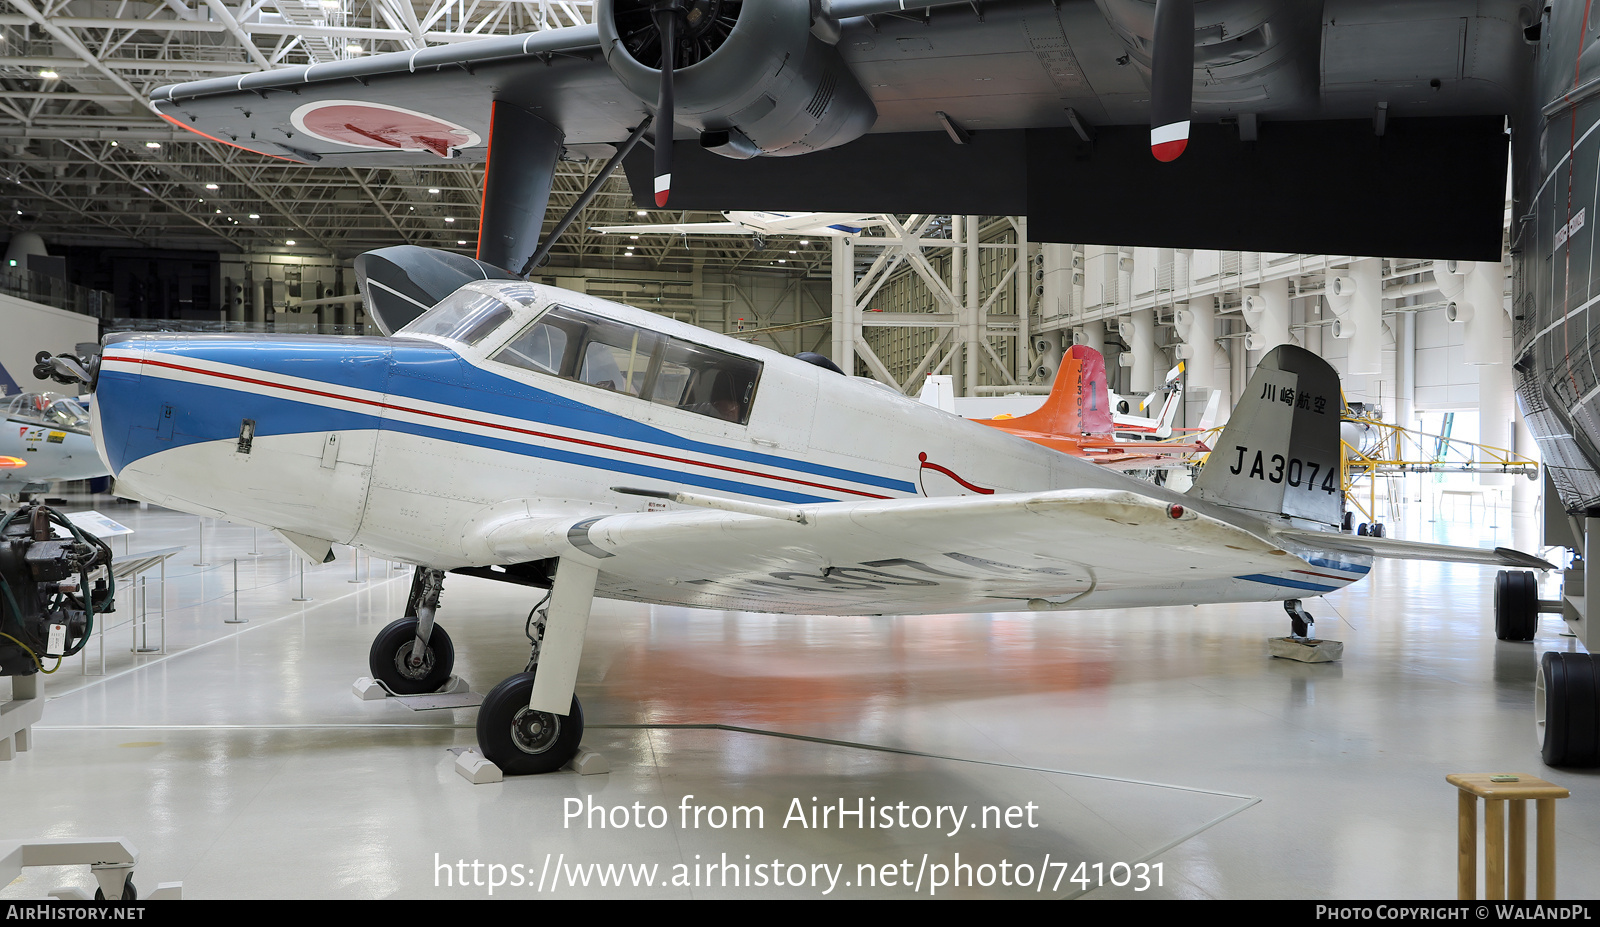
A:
[903,556]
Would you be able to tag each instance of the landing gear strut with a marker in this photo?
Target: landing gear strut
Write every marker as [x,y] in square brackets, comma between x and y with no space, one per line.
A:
[1301,623]
[413,656]
[532,722]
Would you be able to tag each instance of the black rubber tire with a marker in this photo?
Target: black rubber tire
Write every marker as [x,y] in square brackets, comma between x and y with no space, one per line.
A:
[1361,529]
[129,893]
[521,741]
[1516,605]
[1568,709]
[1349,522]
[392,647]
[1376,530]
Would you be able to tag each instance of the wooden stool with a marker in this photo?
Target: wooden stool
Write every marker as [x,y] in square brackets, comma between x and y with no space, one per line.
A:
[1505,881]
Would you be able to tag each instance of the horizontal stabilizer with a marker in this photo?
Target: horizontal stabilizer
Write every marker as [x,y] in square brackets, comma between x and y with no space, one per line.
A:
[1412,550]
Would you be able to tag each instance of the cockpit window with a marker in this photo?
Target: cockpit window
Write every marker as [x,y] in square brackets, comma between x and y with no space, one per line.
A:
[628,359]
[52,410]
[467,316]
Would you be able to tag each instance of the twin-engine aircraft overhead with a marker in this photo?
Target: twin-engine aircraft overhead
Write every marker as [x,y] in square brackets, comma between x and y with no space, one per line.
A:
[530,434]
[1296,120]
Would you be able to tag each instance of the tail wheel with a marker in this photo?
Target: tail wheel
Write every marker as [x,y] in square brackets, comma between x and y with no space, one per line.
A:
[1516,605]
[520,740]
[1567,709]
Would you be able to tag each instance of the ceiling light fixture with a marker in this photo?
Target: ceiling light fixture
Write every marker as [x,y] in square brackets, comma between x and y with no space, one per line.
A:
[48,74]
[433,189]
[211,186]
[152,144]
[289,242]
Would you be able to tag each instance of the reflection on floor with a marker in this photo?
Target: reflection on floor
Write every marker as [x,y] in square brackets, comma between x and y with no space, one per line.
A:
[1148,753]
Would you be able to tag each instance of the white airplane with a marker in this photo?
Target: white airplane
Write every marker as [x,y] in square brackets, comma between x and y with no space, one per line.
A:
[533,435]
[45,437]
[762,225]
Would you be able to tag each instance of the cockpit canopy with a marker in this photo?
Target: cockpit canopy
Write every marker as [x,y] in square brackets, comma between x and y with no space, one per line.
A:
[48,410]
[589,348]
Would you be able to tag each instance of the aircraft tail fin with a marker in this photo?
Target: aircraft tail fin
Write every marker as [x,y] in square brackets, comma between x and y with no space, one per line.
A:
[1208,418]
[1079,401]
[1279,454]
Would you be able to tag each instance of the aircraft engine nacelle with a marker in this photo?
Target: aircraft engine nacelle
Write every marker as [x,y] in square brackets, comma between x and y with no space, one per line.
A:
[752,76]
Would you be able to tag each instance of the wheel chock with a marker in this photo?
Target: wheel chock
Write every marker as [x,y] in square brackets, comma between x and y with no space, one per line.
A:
[1305,651]
[589,763]
[477,769]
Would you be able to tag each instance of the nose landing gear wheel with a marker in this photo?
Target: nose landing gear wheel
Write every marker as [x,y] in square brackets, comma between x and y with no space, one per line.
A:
[390,659]
[522,741]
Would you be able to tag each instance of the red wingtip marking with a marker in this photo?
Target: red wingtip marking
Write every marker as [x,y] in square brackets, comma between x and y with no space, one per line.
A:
[1169,151]
[661,197]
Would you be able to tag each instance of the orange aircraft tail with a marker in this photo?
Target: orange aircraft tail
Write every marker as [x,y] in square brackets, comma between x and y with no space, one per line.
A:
[1079,402]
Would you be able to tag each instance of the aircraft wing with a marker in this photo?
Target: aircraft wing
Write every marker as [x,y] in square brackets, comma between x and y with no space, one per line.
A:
[904,556]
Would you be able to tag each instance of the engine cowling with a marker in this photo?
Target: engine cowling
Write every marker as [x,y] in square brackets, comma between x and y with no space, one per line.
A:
[751,76]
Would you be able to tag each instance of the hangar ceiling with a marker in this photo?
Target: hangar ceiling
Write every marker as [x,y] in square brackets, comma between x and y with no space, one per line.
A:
[87,162]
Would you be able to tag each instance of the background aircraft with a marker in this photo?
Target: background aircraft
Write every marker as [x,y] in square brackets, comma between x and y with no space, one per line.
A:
[1078,417]
[762,225]
[44,438]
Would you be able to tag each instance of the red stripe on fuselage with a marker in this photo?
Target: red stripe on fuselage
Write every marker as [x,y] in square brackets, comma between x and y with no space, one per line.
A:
[467,421]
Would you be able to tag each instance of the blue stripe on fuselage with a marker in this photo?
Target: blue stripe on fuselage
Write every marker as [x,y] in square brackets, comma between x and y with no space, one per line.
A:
[418,370]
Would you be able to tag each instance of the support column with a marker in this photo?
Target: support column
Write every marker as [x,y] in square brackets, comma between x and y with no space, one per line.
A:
[1049,348]
[1024,289]
[1196,324]
[1488,347]
[1357,301]
[972,323]
[1139,331]
[1266,313]
[258,300]
[844,300]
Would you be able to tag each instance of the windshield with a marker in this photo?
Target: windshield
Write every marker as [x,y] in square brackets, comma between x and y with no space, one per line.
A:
[468,315]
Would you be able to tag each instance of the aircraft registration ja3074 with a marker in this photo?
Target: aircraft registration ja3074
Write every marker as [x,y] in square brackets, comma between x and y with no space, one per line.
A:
[534,435]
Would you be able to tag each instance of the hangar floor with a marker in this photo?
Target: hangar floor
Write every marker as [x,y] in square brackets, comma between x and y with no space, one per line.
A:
[241,764]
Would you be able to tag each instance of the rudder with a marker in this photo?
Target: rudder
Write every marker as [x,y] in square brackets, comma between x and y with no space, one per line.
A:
[1279,453]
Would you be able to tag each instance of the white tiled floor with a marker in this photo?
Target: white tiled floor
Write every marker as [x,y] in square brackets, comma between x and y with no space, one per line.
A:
[241,764]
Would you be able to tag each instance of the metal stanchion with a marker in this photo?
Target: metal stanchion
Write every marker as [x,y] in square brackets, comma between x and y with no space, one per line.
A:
[356,560]
[144,618]
[235,619]
[302,597]
[253,544]
[202,523]
[163,605]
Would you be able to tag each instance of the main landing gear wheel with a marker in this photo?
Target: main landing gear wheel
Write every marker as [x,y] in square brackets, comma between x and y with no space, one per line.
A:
[129,893]
[522,741]
[1566,707]
[390,659]
[1516,605]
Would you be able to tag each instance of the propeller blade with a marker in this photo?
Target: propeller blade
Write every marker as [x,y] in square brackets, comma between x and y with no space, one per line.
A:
[666,23]
[1171,78]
